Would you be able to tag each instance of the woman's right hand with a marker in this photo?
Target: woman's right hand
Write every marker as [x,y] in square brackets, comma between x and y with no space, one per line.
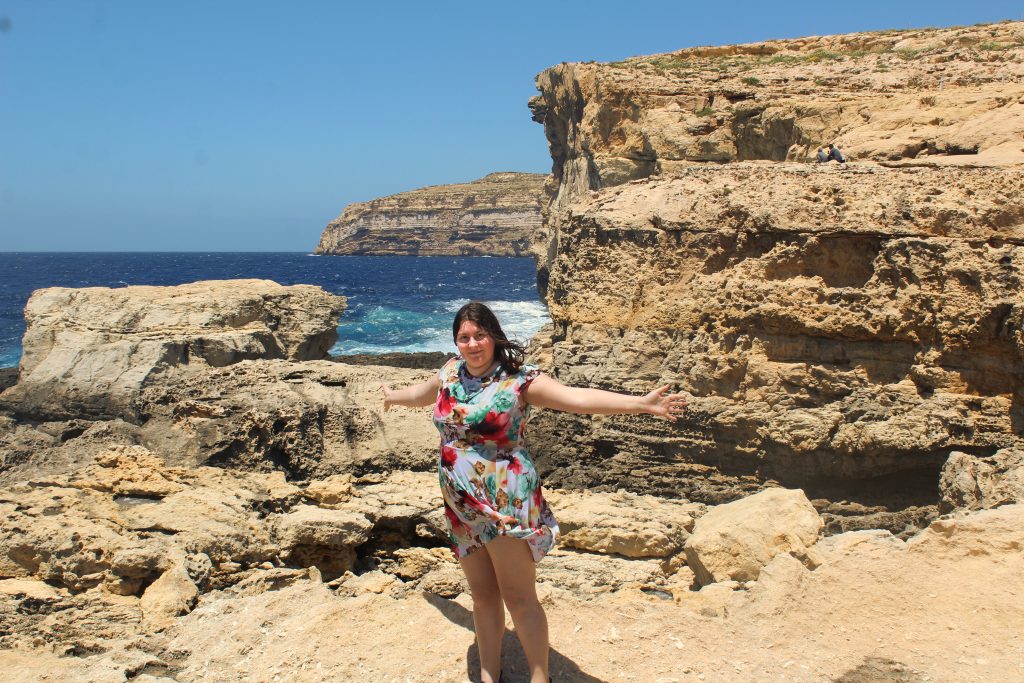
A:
[416,396]
[664,405]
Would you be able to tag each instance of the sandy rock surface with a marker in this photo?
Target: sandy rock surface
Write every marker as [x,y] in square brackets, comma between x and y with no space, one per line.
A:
[839,622]
[851,339]
[133,566]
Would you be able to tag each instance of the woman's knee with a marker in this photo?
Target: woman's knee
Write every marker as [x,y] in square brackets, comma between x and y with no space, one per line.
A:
[486,596]
[521,601]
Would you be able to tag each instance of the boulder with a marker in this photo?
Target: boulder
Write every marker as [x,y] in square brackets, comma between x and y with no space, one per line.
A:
[414,563]
[129,471]
[972,483]
[309,420]
[263,580]
[734,541]
[170,596]
[311,525]
[997,532]
[446,581]
[88,352]
[403,502]
[29,588]
[368,582]
[133,566]
[330,491]
[623,523]
[312,536]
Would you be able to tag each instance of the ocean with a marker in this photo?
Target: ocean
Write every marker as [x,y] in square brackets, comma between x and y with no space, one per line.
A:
[395,303]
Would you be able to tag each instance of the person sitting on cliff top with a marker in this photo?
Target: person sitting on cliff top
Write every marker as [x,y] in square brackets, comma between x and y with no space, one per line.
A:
[834,154]
[822,156]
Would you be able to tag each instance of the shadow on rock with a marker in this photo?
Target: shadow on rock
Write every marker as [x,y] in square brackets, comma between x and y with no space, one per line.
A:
[513,660]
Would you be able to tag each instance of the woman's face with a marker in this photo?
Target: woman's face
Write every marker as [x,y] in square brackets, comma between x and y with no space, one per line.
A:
[476,346]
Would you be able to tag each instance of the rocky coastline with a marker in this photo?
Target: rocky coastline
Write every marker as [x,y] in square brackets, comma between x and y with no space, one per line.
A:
[493,216]
[192,490]
[260,497]
[842,327]
[8,377]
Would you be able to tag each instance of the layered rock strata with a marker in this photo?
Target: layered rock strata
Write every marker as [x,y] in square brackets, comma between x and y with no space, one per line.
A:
[493,216]
[938,96]
[840,328]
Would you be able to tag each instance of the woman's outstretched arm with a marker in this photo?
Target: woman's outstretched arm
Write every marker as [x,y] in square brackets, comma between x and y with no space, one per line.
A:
[548,392]
[416,396]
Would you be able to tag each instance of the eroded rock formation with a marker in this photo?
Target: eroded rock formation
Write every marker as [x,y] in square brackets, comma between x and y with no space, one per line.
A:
[89,352]
[841,328]
[948,96]
[493,216]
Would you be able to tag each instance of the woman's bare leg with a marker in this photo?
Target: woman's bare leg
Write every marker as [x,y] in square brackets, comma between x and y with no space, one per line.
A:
[517,579]
[488,612]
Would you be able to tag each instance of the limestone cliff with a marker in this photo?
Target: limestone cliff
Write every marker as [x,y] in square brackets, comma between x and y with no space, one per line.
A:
[841,328]
[949,96]
[493,216]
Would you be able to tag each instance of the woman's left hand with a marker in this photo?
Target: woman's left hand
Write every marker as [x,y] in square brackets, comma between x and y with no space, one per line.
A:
[664,405]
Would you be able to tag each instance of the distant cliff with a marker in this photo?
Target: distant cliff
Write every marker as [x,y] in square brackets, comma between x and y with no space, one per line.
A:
[493,216]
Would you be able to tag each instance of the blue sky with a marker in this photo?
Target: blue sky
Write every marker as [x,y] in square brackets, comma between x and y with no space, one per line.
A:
[247,126]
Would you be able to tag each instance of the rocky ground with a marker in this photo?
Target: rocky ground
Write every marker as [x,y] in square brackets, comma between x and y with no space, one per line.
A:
[424,360]
[266,521]
[218,581]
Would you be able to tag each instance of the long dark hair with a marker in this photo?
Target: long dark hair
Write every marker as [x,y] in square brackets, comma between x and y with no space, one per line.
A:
[510,354]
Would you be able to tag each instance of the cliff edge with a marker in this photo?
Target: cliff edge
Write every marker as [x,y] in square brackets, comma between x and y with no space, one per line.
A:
[841,327]
[492,216]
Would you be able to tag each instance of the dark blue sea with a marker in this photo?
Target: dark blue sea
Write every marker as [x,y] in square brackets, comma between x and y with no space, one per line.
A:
[395,303]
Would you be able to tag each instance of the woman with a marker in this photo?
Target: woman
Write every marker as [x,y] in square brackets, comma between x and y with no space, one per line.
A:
[491,490]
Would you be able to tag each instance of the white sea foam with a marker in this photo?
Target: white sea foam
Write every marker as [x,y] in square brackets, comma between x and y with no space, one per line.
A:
[387,330]
[519,319]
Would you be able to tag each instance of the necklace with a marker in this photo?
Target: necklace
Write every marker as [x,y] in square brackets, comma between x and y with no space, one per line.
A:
[473,384]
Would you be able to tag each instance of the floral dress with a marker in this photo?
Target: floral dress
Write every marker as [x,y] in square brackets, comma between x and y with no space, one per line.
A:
[489,483]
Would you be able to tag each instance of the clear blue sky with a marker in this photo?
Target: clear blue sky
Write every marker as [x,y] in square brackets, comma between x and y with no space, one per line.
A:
[222,125]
